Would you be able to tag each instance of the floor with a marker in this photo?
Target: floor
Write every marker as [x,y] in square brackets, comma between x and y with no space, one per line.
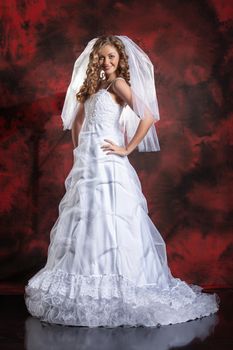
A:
[18,330]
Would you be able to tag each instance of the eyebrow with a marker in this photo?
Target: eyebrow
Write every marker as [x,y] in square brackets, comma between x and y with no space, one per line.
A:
[108,54]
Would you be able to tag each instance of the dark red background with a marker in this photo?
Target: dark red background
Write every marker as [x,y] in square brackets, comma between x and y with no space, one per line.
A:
[188,184]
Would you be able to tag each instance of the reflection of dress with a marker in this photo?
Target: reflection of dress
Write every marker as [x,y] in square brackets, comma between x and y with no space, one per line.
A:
[107,263]
[39,335]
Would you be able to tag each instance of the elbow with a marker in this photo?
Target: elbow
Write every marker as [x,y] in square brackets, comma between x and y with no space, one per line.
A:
[150,121]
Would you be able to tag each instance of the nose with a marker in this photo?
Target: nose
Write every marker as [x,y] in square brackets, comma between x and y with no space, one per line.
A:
[106,61]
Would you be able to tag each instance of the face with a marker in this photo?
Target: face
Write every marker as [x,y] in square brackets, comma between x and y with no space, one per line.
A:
[108,59]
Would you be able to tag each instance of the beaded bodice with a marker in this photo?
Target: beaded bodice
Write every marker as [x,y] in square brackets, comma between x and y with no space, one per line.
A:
[100,108]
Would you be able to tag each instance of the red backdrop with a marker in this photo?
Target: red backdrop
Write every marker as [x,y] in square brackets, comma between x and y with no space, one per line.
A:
[189,188]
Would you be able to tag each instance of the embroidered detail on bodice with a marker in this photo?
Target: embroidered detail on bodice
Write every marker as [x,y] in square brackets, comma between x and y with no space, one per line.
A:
[101,108]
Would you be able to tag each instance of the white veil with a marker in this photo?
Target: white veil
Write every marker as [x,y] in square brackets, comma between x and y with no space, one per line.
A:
[143,90]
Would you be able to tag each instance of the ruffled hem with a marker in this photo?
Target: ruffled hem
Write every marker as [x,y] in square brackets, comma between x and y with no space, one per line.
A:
[113,300]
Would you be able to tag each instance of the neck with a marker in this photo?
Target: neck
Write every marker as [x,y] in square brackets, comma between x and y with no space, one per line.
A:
[111,77]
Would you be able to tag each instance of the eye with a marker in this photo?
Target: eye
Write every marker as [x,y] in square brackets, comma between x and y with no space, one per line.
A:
[110,56]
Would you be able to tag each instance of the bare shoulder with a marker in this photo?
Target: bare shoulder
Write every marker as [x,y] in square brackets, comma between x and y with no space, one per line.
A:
[120,85]
[123,90]
[119,82]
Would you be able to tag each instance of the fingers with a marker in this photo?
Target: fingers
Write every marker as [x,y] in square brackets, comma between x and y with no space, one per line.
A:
[107,147]
[113,152]
[112,143]
[110,148]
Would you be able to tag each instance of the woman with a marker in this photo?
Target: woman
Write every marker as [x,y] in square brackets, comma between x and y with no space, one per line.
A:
[107,263]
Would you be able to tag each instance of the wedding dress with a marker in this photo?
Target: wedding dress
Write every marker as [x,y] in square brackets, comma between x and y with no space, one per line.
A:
[107,263]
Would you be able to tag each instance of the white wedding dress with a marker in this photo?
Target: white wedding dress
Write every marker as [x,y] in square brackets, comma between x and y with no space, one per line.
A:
[107,263]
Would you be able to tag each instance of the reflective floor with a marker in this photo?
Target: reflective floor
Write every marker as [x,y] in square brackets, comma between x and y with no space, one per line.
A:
[19,330]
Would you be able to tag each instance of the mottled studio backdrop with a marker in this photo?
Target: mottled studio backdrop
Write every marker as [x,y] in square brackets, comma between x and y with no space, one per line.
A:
[188,184]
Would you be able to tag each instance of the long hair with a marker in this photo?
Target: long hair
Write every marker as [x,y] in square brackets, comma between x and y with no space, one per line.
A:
[91,82]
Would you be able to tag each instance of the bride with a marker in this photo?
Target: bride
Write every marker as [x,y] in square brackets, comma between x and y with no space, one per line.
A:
[107,263]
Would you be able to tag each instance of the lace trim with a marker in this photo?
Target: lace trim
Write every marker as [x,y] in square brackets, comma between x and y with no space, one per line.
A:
[112,300]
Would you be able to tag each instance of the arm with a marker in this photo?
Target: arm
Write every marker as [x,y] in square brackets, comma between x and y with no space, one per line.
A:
[77,124]
[123,90]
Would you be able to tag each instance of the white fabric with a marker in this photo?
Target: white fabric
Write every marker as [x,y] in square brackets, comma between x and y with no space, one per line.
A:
[143,89]
[107,262]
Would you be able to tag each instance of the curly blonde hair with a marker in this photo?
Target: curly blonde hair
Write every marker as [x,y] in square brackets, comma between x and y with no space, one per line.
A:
[91,82]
